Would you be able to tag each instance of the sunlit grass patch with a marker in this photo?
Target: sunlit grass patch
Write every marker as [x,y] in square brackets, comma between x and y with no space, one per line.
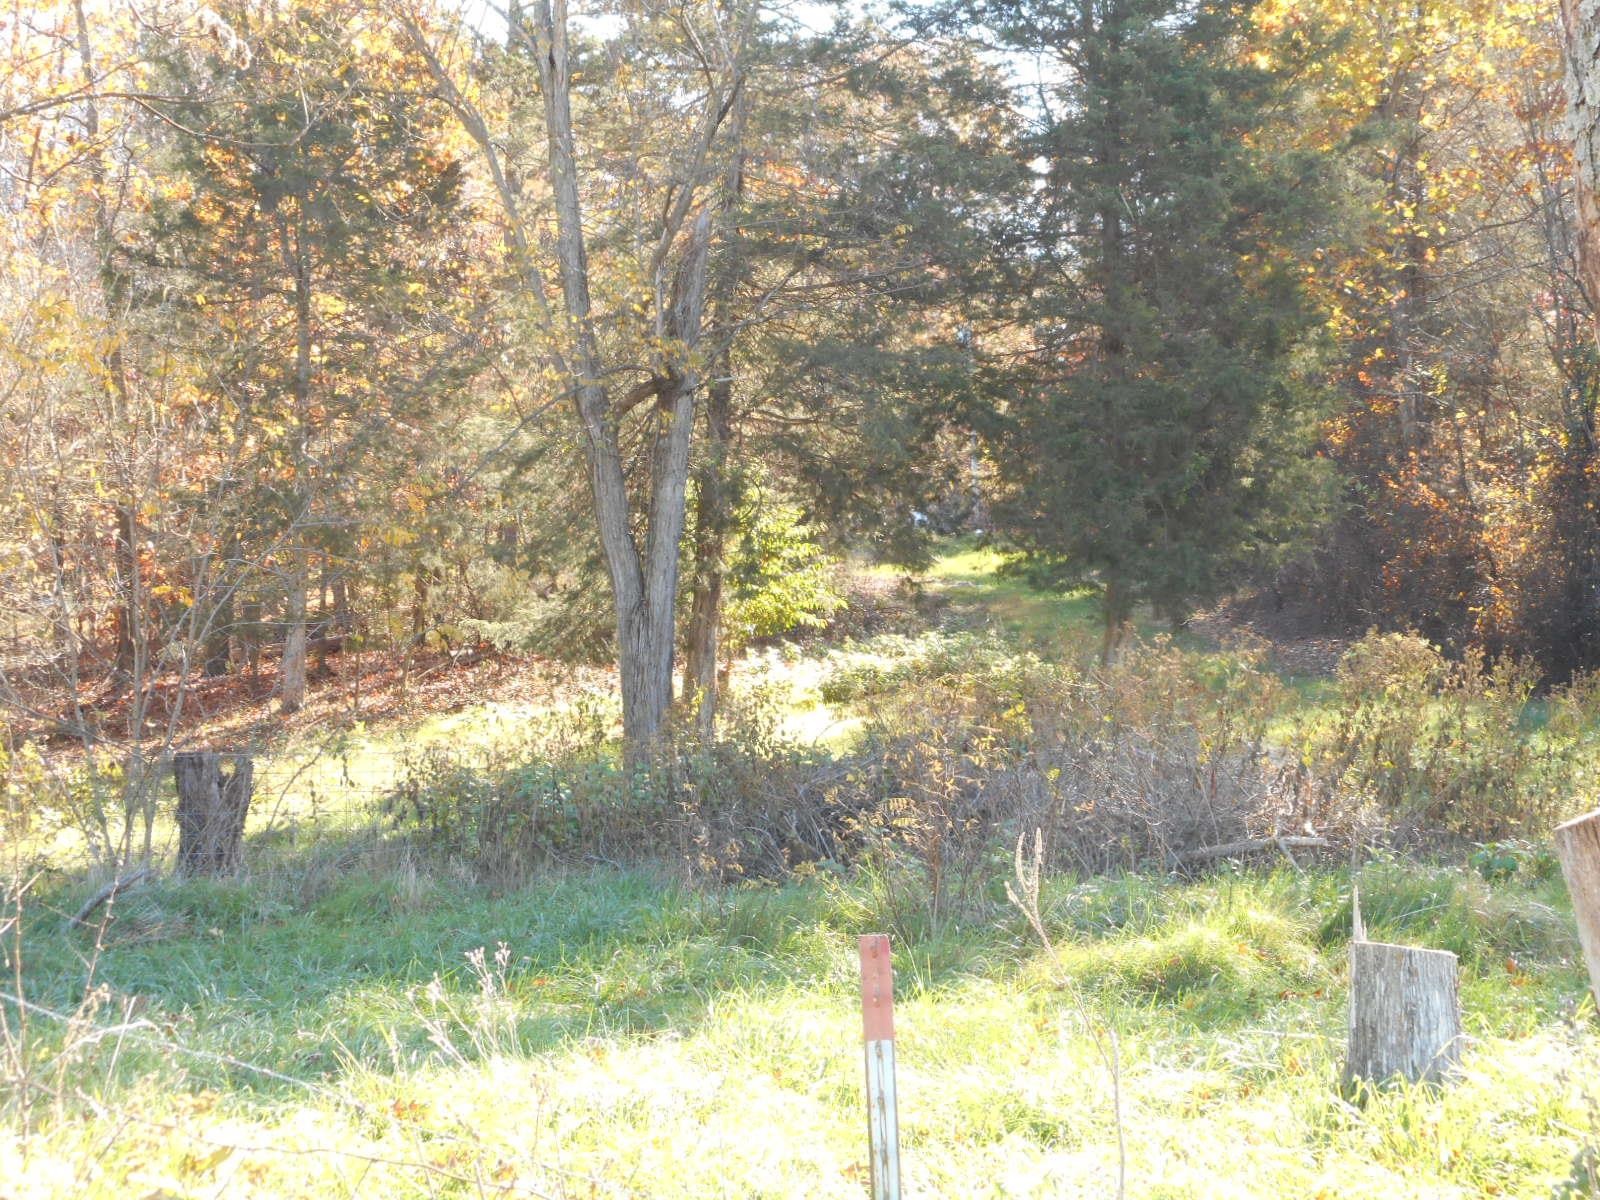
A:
[635,1036]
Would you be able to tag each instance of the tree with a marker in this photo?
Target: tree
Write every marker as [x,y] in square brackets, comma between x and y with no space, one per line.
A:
[853,235]
[656,177]
[1156,440]
[98,429]
[317,221]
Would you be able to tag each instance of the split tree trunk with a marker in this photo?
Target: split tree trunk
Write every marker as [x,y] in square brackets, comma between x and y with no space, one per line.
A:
[1405,1013]
[639,542]
[644,579]
[1578,847]
[212,806]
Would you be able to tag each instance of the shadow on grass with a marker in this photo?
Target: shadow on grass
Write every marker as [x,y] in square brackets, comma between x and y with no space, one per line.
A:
[315,974]
[316,965]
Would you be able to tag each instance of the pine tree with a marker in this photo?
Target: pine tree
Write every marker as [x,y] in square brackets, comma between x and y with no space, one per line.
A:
[1154,442]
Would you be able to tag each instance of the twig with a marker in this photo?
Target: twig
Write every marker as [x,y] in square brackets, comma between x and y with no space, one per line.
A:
[109,892]
[1025,895]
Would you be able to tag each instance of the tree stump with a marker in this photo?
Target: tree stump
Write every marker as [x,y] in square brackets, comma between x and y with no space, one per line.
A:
[1405,1013]
[212,805]
[1578,847]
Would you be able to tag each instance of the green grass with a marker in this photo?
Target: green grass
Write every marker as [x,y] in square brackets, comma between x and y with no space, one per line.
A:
[653,1040]
[1050,622]
[319,1028]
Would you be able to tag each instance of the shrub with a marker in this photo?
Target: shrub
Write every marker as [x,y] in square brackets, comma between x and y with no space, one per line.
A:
[747,802]
[1432,745]
[1156,760]
[1123,767]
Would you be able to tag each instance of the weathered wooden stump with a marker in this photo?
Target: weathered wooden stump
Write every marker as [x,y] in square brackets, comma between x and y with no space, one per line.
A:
[1405,1013]
[1578,847]
[212,805]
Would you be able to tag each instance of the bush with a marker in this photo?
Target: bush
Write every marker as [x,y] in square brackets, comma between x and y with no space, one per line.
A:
[1429,745]
[1138,763]
[746,803]
[1167,753]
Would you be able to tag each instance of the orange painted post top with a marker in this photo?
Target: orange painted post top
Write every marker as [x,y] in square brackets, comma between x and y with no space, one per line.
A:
[877,988]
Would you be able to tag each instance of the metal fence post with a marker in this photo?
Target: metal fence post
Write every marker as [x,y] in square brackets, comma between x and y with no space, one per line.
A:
[877,1019]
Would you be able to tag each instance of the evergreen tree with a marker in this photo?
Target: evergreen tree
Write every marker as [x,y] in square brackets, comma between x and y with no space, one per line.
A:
[1154,443]
[318,222]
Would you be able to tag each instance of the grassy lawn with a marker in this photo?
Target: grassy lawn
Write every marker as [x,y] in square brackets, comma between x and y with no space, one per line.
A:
[354,1019]
[644,1039]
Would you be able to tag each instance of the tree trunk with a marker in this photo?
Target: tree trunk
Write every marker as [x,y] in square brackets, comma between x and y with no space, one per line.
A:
[320,645]
[293,695]
[713,520]
[343,622]
[295,253]
[644,583]
[114,292]
[1405,1013]
[1578,847]
[1115,614]
[219,627]
[1580,24]
[127,575]
[715,488]
[215,658]
[652,627]
[421,587]
[212,806]
[703,639]
[250,638]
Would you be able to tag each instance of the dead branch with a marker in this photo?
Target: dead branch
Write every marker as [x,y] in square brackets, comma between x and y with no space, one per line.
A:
[107,893]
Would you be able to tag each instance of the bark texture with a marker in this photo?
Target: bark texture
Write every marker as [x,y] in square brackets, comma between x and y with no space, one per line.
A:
[1578,847]
[1405,1013]
[1580,23]
[212,806]
[293,695]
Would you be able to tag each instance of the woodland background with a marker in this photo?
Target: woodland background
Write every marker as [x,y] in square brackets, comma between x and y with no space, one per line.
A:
[655,490]
[315,339]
